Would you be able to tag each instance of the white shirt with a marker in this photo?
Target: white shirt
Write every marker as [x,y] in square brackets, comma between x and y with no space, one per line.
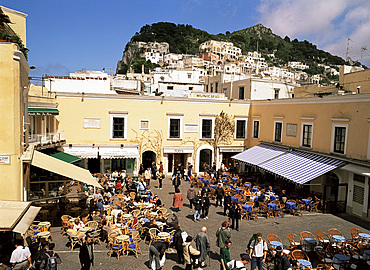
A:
[76,227]
[238,264]
[258,248]
[20,254]
[147,174]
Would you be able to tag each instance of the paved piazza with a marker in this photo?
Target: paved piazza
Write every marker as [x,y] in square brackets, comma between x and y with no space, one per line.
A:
[280,226]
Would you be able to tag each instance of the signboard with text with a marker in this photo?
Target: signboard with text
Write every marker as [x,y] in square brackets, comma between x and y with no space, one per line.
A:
[4,159]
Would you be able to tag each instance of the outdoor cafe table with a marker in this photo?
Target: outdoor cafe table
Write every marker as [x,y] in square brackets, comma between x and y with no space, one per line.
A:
[239,190]
[84,229]
[306,201]
[205,181]
[44,226]
[247,185]
[367,255]
[305,263]
[224,179]
[212,186]
[364,236]
[274,197]
[234,179]
[339,260]
[164,235]
[254,189]
[275,244]
[126,216]
[272,206]
[235,199]
[290,205]
[247,207]
[338,238]
[123,239]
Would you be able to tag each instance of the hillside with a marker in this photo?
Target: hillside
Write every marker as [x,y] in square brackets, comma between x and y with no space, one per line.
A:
[185,39]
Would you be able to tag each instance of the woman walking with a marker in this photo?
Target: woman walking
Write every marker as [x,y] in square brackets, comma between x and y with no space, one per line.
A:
[177,199]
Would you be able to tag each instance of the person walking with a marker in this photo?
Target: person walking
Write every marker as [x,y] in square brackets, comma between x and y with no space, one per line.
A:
[234,264]
[190,168]
[189,253]
[147,176]
[156,253]
[141,170]
[220,193]
[176,180]
[177,243]
[222,235]
[227,202]
[203,245]
[141,187]
[21,256]
[197,206]
[258,252]
[177,200]
[234,215]
[51,260]
[160,175]
[86,254]
[281,261]
[40,255]
[190,194]
[154,170]
[205,205]
[225,255]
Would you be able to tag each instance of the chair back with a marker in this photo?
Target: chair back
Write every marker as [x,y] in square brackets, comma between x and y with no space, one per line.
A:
[92,224]
[299,254]
[292,239]
[354,232]
[273,237]
[334,231]
[307,234]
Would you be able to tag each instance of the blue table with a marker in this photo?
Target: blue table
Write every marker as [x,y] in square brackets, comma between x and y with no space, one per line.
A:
[212,186]
[339,260]
[239,190]
[235,199]
[200,177]
[274,197]
[305,263]
[224,179]
[290,205]
[249,185]
[226,174]
[275,244]
[338,238]
[205,181]
[306,201]
[247,207]
[254,189]
[272,206]
[364,236]
[367,255]
[310,241]
[234,179]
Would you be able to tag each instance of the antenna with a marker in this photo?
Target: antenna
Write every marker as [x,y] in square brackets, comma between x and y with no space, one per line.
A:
[347,51]
[362,50]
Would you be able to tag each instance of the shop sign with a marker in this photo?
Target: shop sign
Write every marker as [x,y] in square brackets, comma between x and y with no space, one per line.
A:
[5,159]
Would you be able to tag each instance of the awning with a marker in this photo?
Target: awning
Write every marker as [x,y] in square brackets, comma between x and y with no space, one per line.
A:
[118,152]
[49,163]
[27,220]
[82,151]
[65,157]
[11,212]
[260,153]
[178,149]
[42,111]
[297,166]
[301,167]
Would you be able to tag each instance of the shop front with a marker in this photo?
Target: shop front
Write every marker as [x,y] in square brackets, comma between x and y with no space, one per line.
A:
[174,155]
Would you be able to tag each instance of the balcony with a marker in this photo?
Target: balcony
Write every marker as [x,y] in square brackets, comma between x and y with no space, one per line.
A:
[48,138]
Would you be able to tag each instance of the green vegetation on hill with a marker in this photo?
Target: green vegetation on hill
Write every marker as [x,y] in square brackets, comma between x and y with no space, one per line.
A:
[185,39]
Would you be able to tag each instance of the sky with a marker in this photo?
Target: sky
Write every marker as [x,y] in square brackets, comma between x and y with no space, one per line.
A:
[66,36]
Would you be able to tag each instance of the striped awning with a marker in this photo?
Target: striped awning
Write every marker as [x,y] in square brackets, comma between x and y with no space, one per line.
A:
[301,167]
[259,153]
[294,165]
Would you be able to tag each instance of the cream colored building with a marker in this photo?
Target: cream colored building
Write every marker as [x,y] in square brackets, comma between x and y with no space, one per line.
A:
[226,50]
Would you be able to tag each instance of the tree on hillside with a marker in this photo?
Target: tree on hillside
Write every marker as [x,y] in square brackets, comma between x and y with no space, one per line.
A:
[223,131]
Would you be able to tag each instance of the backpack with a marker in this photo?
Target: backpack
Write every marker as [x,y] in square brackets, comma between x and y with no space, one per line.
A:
[51,262]
[184,235]
[234,266]
[250,241]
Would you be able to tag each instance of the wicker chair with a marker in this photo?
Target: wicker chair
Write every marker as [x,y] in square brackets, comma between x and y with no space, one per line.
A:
[354,233]
[334,231]
[323,238]
[293,241]
[134,246]
[115,247]
[299,254]
[273,237]
[153,235]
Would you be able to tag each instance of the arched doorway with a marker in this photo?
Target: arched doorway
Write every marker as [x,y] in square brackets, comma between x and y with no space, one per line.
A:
[205,156]
[147,158]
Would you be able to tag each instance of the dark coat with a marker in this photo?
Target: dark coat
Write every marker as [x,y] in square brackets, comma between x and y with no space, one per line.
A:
[177,240]
[84,257]
[197,202]
[227,200]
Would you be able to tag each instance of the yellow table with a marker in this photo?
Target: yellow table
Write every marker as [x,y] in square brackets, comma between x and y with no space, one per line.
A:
[44,226]
[124,240]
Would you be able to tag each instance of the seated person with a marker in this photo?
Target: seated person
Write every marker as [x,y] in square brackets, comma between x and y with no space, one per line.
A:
[78,224]
[157,201]
[283,197]
[174,221]
[73,232]
[270,191]
[127,198]
[160,217]
[248,192]
[96,217]
[119,218]
[151,224]
[149,192]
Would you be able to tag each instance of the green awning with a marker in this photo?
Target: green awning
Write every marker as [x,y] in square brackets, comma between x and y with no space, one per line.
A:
[43,111]
[65,157]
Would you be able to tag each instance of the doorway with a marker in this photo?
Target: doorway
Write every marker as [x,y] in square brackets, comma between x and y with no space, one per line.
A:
[205,156]
[93,165]
[335,194]
[147,158]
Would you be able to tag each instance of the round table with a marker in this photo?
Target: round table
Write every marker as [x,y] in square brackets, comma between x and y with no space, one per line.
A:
[123,238]
[126,216]
[338,238]
[306,201]
[84,229]
[367,254]
[364,236]
[247,207]
[339,260]
[305,263]
[290,205]
[153,214]
[160,224]
[163,235]
[212,186]
[235,199]
[234,179]
[44,226]
[239,190]
[275,244]
[272,206]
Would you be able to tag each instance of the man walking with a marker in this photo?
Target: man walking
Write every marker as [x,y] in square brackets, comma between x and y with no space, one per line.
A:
[21,256]
[197,206]
[222,235]
[220,192]
[191,195]
[281,261]
[154,170]
[225,255]
[258,252]
[86,254]
[147,176]
[203,245]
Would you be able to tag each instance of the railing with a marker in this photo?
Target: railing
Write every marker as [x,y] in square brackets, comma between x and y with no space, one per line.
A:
[52,137]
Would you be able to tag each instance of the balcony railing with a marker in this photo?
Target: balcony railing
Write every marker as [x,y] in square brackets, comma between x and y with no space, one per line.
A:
[51,137]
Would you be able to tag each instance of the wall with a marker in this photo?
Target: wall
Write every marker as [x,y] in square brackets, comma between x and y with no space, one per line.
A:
[74,85]
[18,24]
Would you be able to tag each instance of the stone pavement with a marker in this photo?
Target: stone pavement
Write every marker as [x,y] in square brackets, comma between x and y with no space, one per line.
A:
[280,226]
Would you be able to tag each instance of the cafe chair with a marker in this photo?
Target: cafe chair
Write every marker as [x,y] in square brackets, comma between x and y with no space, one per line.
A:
[134,247]
[334,231]
[354,233]
[115,247]
[294,240]
[153,232]
[273,237]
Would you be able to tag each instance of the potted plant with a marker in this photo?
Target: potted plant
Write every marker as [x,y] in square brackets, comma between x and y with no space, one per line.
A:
[3,34]
[15,39]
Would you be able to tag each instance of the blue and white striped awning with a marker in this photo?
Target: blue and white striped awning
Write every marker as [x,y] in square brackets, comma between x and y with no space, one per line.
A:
[301,167]
[260,153]
[297,166]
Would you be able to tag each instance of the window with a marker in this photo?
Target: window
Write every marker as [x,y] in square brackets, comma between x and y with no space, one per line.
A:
[212,88]
[240,128]
[256,129]
[144,124]
[190,88]
[216,88]
[207,88]
[278,131]
[174,129]
[339,139]
[170,87]
[189,75]
[307,135]
[276,94]
[241,92]
[207,129]
[118,130]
